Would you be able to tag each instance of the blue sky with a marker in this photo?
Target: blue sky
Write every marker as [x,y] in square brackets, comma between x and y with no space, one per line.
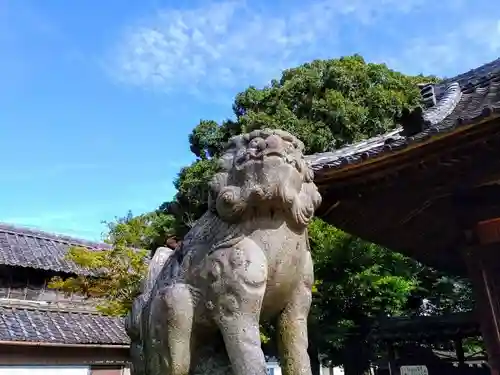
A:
[97,97]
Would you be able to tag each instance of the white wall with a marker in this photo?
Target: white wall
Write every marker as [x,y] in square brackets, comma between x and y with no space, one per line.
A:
[46,370]
[332,371]
[273,368]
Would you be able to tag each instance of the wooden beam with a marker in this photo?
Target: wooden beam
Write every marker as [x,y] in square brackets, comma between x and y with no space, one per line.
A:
[38,355]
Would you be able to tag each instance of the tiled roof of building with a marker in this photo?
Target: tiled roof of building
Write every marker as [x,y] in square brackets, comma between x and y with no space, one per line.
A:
[462,100]
[416,328]
[31,248]
[39,324]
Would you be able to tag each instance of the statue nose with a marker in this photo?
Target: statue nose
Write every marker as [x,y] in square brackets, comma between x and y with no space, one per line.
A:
[273,142]
[261,145]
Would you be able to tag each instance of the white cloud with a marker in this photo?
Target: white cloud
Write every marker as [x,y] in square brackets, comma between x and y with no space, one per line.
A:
[475,42]
[222,43]
[229,44]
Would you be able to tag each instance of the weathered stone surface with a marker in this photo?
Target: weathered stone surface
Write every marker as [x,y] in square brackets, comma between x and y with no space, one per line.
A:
[246,259]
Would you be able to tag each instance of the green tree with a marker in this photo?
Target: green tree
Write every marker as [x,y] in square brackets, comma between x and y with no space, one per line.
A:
[357,283]
[191,199]
[330,103]
[114,274]
[439,293]
[326,103]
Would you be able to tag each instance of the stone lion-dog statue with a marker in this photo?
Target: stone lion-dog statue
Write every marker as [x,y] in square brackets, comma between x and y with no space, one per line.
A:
[246,259]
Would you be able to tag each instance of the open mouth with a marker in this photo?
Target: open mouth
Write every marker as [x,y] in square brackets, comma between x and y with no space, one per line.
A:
[252,156]
[275,154]
[261,155]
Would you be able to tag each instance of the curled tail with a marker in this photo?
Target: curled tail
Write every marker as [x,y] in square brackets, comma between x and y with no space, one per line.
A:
[136,322]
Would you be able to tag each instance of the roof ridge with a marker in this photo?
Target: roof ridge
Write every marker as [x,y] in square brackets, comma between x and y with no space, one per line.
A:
[46,306]
[444,106]
[472,77]
[484,69]
[61,238]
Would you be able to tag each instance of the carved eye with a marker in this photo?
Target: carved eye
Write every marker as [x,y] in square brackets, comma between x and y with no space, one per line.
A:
[257,143]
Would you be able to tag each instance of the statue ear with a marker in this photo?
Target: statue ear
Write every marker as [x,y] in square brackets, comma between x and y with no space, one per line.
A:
[219,181]
[305,204]
[230,204]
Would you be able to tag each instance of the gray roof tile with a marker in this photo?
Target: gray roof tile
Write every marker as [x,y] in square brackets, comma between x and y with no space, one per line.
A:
[30,324]
[470,77]
[31,248]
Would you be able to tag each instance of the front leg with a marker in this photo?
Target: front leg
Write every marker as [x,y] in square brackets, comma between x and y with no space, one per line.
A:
[173,313]
[292,326]
[238,277]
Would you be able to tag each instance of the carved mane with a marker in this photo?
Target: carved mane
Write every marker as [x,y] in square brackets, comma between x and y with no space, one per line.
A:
[235,193]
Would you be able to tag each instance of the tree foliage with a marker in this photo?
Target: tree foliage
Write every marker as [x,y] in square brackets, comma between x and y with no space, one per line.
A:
[326,103]
[357,283]
[439,293]
[191,199]
[330,103]
[114,275]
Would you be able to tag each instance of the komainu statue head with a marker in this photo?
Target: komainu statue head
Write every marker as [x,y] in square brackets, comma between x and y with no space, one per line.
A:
[264,173]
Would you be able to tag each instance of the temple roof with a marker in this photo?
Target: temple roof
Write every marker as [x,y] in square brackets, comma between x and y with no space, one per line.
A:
[418,188]
[36,323]
[460,101]
[45,322]
[23,247]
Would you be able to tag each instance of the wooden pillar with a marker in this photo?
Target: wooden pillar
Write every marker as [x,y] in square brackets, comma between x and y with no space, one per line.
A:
[459,350]
[391,359]
[483,262]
